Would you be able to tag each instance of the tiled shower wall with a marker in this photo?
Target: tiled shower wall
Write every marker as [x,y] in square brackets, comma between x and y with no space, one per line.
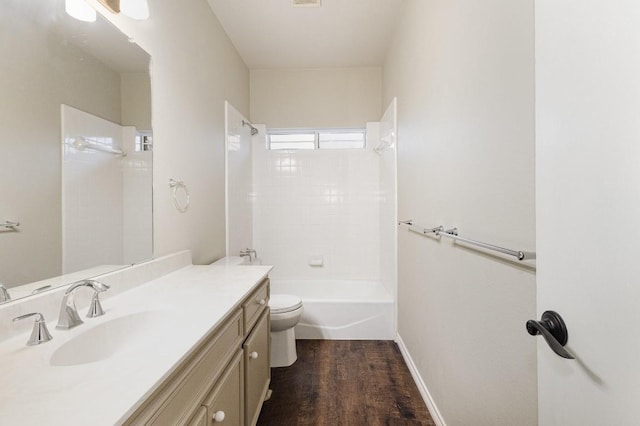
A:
[239,205]
[388,188]
[317,204]
[91,194]
[106,198]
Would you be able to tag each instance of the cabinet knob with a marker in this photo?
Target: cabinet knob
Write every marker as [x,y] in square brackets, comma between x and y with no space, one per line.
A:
[218,416]
[253,355]
[261,302]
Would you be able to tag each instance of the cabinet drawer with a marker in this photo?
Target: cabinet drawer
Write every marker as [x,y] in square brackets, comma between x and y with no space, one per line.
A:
[254,304]
[257,369]
[177,400]
[226,400]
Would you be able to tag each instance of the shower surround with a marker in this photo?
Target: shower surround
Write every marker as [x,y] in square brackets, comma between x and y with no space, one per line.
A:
[326,220]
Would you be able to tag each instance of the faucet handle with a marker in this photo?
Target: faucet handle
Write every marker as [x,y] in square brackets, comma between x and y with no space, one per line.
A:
[4,294]
[98,286]
[40,334]
[95,309]
[251,253]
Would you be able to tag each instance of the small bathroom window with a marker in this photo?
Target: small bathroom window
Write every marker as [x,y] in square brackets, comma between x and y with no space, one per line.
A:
[317,139]
[144,141]
[293,140]
[349,139]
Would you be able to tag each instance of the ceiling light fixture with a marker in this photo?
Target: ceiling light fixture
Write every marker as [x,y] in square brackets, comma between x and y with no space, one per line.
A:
[135,9]
[306,3]
[81,10]
[112,5]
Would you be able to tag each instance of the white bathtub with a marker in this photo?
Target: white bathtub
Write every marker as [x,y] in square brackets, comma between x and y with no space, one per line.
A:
[354,310]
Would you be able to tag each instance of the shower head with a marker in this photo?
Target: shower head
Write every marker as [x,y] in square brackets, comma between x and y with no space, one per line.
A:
[254,131]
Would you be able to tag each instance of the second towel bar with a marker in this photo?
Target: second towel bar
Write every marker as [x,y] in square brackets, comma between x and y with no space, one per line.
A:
[520,255]
[419,230]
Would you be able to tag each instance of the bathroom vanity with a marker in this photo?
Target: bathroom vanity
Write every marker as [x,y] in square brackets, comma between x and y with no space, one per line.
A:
[225,379]
[188,347]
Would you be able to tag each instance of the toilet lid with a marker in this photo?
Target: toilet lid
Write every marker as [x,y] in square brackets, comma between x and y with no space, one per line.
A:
[281,303]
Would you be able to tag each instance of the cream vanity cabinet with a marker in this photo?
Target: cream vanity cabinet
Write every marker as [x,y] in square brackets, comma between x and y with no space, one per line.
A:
[224,380]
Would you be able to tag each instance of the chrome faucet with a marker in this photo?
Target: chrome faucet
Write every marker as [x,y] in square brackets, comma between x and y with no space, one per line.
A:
[39,334]
[69,317]
[4,294]
[249,252]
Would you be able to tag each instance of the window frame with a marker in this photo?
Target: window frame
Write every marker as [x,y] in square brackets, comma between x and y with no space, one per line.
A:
[316,133]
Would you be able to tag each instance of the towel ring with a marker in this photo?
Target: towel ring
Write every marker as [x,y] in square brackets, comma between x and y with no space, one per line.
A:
[175,185]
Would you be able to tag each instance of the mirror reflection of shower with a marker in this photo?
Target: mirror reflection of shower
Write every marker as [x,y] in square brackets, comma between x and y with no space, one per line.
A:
[239,181]
[106,193]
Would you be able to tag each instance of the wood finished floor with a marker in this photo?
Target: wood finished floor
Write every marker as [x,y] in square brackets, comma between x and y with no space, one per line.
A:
[345,382]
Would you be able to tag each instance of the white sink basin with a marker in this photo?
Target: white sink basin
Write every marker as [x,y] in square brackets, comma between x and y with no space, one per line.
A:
[106,339]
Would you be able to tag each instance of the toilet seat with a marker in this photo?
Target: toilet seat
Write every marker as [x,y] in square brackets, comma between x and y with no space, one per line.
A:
[283,303]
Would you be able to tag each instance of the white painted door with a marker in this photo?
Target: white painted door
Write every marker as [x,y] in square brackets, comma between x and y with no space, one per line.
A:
[588,208]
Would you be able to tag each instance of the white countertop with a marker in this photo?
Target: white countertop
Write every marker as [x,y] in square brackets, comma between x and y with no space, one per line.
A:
[192,301]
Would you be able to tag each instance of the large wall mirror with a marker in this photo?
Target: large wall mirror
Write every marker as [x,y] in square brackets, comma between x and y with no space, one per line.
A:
[75,148]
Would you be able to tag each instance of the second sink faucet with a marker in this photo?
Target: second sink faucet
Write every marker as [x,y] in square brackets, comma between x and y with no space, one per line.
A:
[249,252]
[4,294]
[69,317]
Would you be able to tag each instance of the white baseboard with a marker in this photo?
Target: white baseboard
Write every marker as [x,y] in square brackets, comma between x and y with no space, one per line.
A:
[426,396]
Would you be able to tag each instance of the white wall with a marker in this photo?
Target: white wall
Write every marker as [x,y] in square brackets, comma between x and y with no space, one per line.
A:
[328,97]
[463,74]
[195,68]
[136,100]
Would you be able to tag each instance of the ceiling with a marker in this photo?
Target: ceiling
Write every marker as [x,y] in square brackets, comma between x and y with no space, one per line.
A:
[341,33]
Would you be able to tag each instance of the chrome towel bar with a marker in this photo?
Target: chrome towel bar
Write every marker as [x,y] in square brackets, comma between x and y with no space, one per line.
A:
[453,234]
[425,231]
[419,230]
[9,224]
[520,255]
[87,143]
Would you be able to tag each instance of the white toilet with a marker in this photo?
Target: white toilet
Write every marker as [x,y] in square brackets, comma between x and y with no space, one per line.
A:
[286,311]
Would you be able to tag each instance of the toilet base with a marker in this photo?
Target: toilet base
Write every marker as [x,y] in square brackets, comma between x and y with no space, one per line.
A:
[283,348]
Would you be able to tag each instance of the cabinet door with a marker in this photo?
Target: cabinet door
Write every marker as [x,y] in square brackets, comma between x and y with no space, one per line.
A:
[225,402]
[200,419]
[181,395]
[257,368]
